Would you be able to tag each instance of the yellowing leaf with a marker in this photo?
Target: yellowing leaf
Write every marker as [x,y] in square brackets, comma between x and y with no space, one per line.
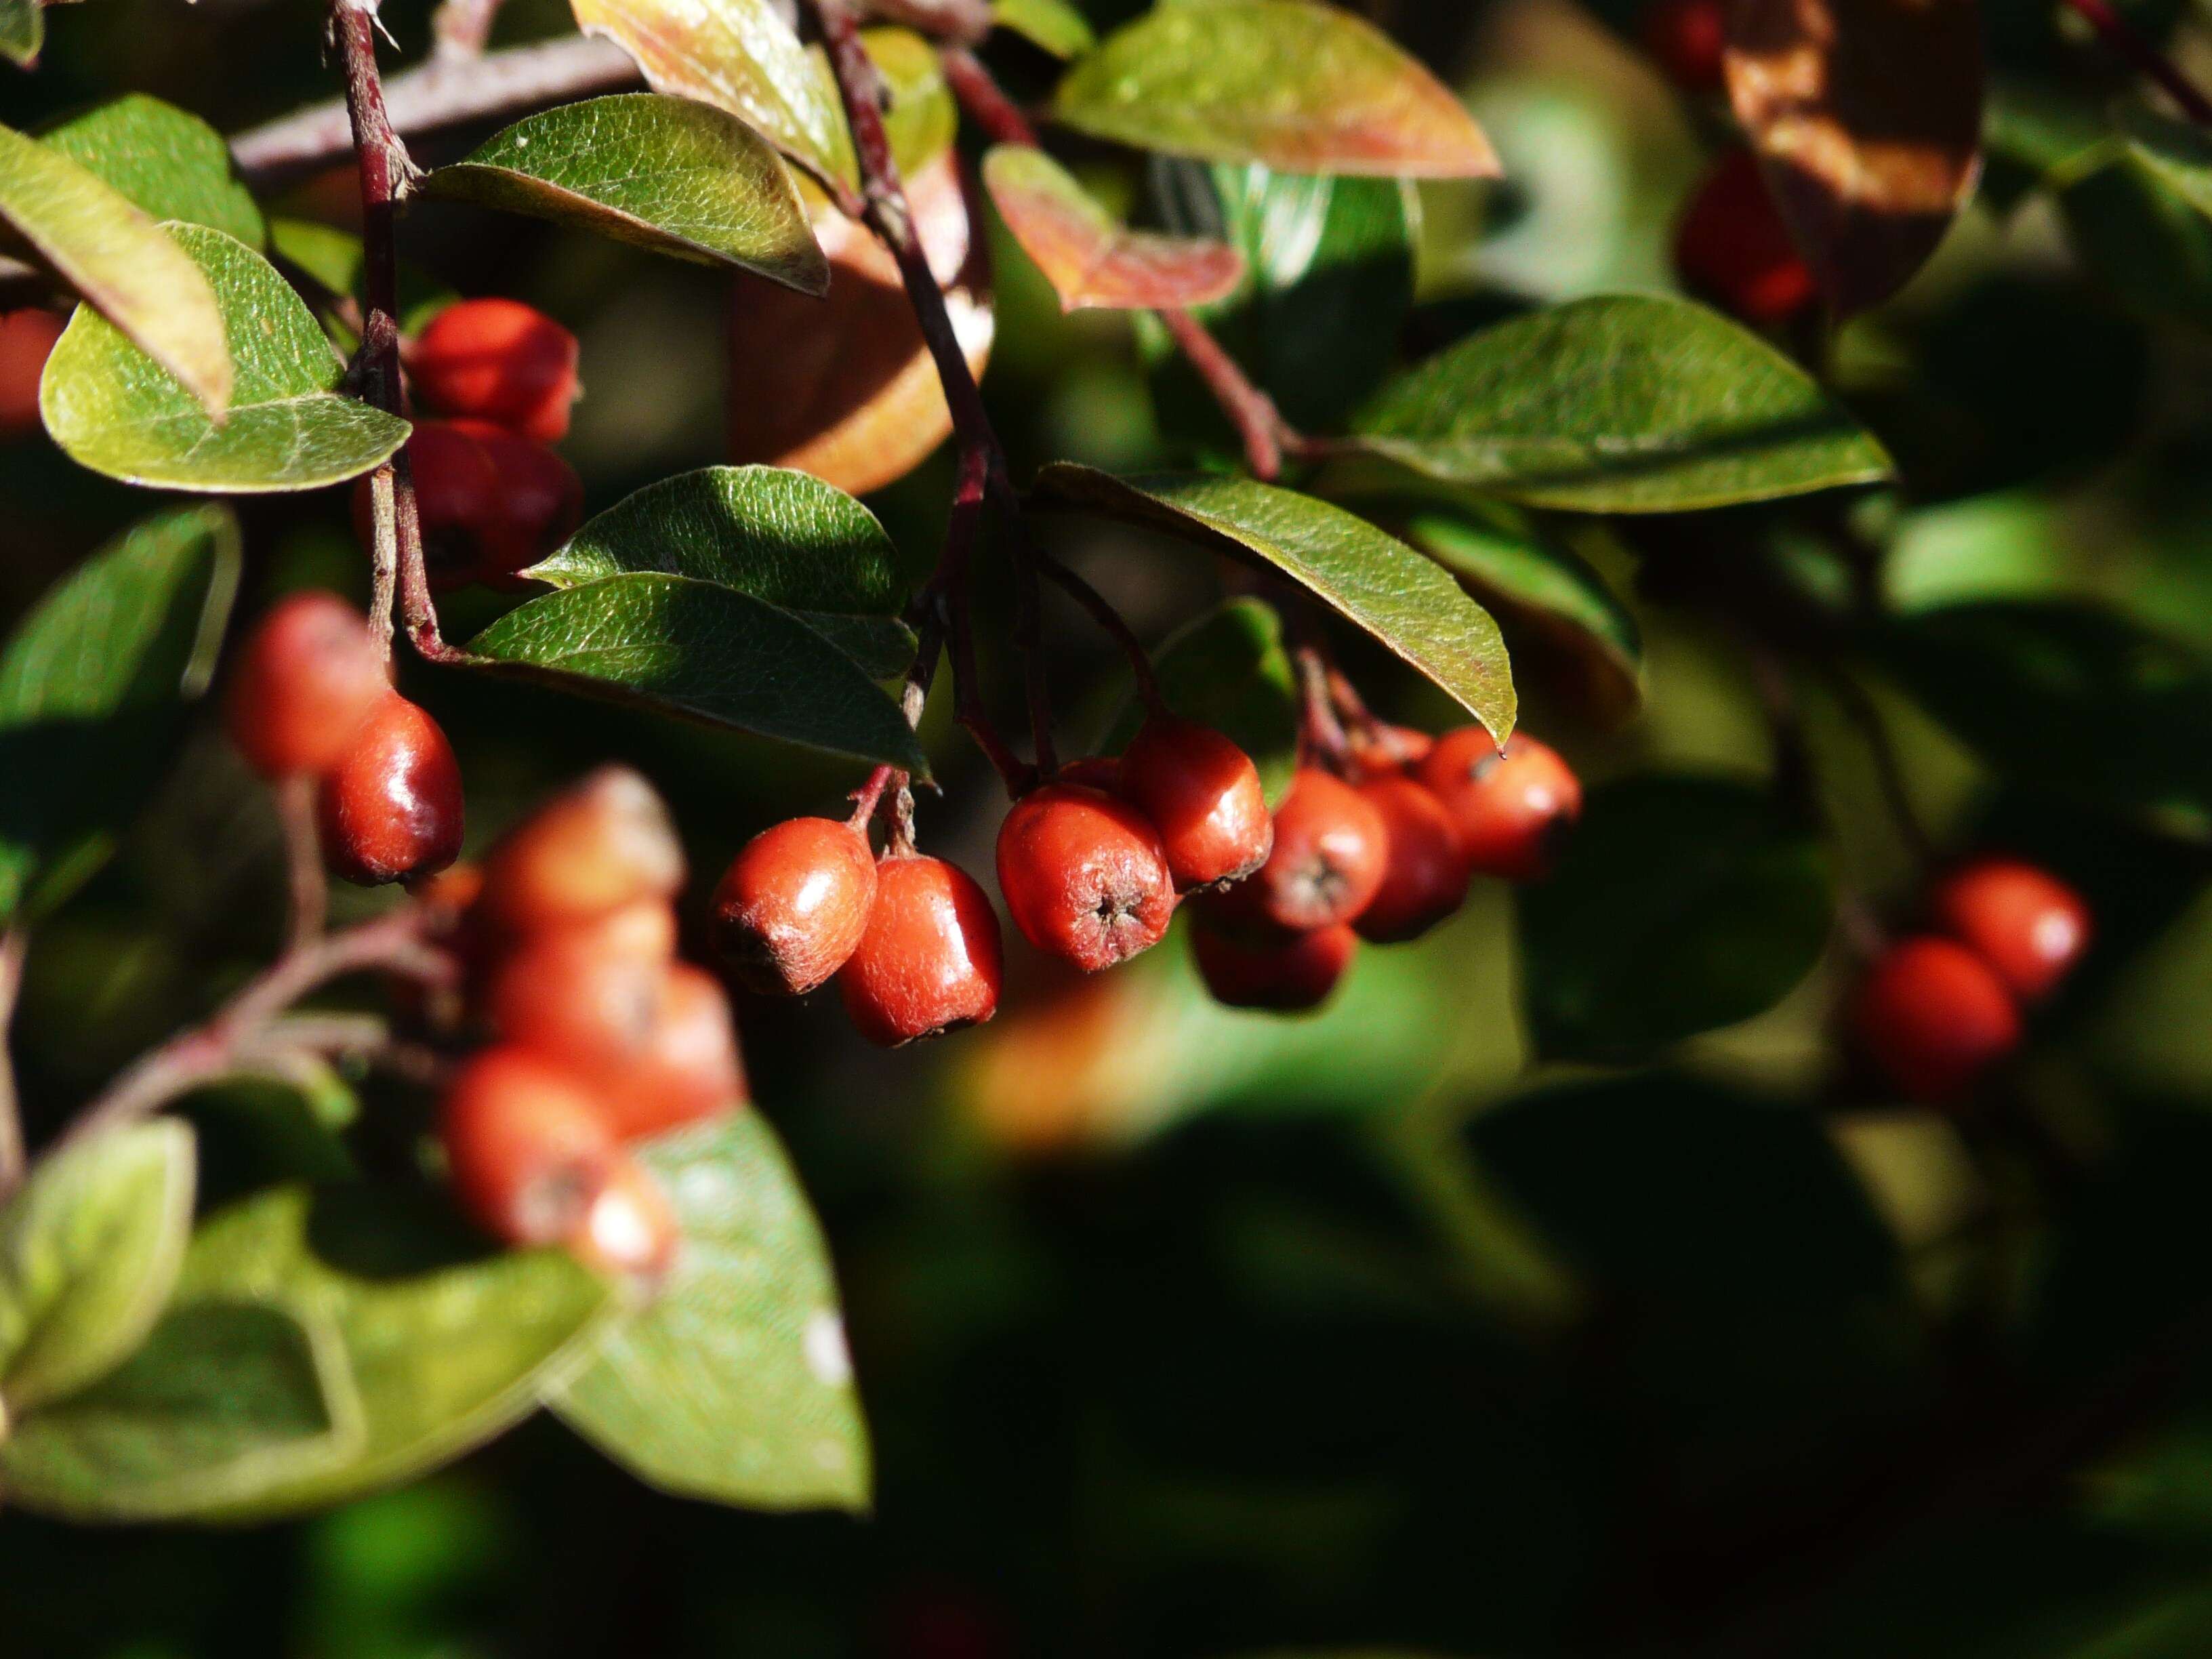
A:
[1090,257]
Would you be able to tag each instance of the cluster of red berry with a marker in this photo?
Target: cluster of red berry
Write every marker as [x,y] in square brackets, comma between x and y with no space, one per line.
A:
[26,338]
[492,498]
[311,697]
[1937,1010]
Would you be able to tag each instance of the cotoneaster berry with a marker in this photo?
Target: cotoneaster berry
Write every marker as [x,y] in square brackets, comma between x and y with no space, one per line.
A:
[527,1147]
[1425,874]
[2023,921]
[629,1231]
[456,497]
[604,844]
[794,903]
[499,360]
[1286,975]
[301,686]
[1686,40]
[27,339]
[1511,810]
[391,809]
[1084,875]
[1934,1017]
[1732,248]
[537,501]
[565,996]
[930,960]
[1202,794]
[1330,854]
[689,1068]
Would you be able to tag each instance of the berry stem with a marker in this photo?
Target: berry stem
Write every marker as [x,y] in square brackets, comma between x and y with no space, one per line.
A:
[309,884]
[1320,731]
[1102,612]
[2124,39]
[13,943]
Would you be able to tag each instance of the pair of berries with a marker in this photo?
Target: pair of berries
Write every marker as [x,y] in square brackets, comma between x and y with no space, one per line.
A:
[1732,248]
[311,697]
[602,1035]
[1938,1010]
[26,338]
[1382,858]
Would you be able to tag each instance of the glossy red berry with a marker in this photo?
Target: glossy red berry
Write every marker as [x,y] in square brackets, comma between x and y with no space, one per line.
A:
[1283,975]
[1732,248]
[1202,794]
[1425,878]
[1512,809]
[629,1231]
[690,1068]
[794,903]
[1084,875]
[391,809]
[304,681]
[1934,1017]
[930,961]
[1686,38]
[2023,921]
[602,846]
[537,501]
[27,339]
[1330,853]
[563,995]
[499,361]
[527,1145]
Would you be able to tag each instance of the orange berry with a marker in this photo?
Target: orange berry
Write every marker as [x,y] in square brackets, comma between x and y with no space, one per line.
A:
[499,360]
[1085,875]
[1202,794]
[1934,1017]
[629,1232]
[2025,922]
[527,1146]
[690,1066]
[303,684]
[930,961]
[1330,854]
[1284,977]
[1425,878]
[538,499]
[1511,808]
[794,903]
[391,809]
[598,847]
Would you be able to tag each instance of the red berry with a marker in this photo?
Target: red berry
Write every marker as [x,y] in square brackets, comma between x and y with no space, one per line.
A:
[690,1068]
[1331,849]
[391,808]
[26,338]
[1934,1017]
[563,995]
[456,495]
[1511,809]
[537,501]
[929,961]
[1425,880]
[304,681]
[629,1232]
[794,903]
[1285,976]
[602,846]
[499,361]
[2025,922]
[1203,795]
[527,1145]
[1084,875]
[1732,248]
[1686,39]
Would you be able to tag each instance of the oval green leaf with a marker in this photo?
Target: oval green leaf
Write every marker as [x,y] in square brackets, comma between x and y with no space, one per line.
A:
[677,177]
[90,1248]
[784,536]
[1291,83]
[114,409]
[1621,404]
[2175,151]
[709,652]
[130,270]
[1091,258]
[23,31]
[1372,580]
[734,1383]
[921,118]
[1229,670]
[166,160]
[1052,25]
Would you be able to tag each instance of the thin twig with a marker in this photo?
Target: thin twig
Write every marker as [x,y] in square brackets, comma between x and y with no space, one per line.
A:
[2123,38]
[1319,730]
[13,946]
[310,888]
[1096,605]
[952,595]
[985,99]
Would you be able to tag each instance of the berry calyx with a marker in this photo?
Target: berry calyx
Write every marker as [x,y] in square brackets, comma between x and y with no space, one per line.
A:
[604,844]
[499,361]
[1202,794]
[687,1068]
[1933,1017]
[930,961]
[1083,874]
[1425,876]
[792,905]
[306,678]
[27,339]
[1732,248]
[1686,40]
[1511,808]
[391,809]
[1330,853]
[527,1147]
[1282,976]
[2023,921]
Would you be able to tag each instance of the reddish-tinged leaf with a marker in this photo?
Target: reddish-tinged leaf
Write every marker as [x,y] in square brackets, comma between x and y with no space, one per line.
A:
[1088,256]
[1867,115]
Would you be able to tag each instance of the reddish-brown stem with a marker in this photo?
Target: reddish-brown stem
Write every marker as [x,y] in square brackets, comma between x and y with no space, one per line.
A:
[2123,38]
[12,946]
[865,798]
[985,99]
[1321,732]
[1096,605]
[309,887]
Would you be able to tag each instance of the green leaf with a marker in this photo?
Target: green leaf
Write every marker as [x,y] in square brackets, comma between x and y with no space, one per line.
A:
[332,256]
[739,56]
[665,173]
[1291,83]
[1372,579]
[1623,952]
[23,31]
[2175,151]
[1621,404]
[784,536]
[1052,25]
[921,118]
[166,160]
[1228,670]
[734,1383]
[709,651]
[2144,240]
[125,267]
[92,686]
[2036,136]
[445,1347]
[114,409]
[89,1247]
[225,1400]
[1090,257]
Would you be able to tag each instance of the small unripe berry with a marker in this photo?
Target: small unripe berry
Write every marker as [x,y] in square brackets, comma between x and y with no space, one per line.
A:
[1732,248]
[27,339]
[537,501]
[306,678]
[930,961]
[1686,38]
[690,1068]
[629,1232]
[1202,794]
[1512,809]
[391,808]
[1331,850]
[1425,880]
[2023,921]
[499,361]
[794,903]
[527,1146]
[1284,977]
[603,844]
[1084,875]
[1934,1017]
